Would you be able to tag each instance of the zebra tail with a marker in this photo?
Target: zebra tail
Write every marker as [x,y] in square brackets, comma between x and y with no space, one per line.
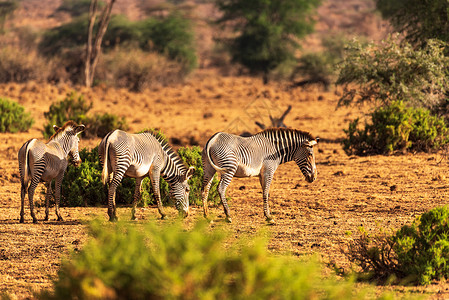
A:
[105,172]
[217,168]
[25,167]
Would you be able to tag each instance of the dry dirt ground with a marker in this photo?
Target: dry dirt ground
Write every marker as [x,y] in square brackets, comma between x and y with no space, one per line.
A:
[374,192]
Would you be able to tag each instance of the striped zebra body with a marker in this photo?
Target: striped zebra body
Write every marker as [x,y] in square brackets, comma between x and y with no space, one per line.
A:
[45,162]
[138,156]
[259,155]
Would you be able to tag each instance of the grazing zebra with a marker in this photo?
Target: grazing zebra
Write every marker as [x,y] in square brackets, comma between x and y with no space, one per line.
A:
[138,156]
[257,155]
[44,162]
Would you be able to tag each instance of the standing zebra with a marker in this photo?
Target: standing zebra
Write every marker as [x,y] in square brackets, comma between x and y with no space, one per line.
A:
[138,156]
[257,155]
[44,162]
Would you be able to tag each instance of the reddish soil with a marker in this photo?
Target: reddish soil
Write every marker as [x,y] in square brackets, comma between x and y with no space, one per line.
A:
[374,192]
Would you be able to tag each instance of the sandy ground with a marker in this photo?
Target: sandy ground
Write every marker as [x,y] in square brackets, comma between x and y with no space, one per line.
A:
[310,218]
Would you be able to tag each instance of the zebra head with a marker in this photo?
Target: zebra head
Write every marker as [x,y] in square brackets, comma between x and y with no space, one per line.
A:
[70,140]
[305,159]
[180,192]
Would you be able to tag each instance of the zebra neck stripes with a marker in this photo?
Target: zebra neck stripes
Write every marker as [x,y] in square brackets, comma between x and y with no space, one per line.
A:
[285,141]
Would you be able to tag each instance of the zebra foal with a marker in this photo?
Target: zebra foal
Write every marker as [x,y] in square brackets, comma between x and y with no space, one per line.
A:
[40,161]
[138,156]
[257,155]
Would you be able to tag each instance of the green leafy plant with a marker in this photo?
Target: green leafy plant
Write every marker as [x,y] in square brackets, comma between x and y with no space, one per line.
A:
[393,71]
[13,117]
[417,253]
[75,107]
[396,127]
[192,157]
[167,262]
[170,35]
[267,32]
[82,186]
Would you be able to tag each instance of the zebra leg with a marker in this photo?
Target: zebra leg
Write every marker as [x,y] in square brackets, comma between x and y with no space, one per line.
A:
[155,178]
[209,173]
[47,200]
[23,191]
[113,184]
[136,197]
[265,179]
[31,189]
[225,180]
[58,185]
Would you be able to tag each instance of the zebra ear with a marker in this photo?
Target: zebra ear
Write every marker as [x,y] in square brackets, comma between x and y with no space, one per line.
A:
[79,128]
[55,128]
[310,143]
[190,172]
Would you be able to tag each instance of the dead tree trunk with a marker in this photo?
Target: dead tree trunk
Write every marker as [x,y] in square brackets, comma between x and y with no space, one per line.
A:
[93,48]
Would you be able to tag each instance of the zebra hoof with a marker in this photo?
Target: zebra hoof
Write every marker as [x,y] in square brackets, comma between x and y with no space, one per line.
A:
[163,217]
[229,220]
[60,219]
[270,221]
[46,219]
[35,221]
[22,220]
[113,219]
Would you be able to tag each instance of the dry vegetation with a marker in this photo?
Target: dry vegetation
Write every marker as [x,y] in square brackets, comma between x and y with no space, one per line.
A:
[374,192]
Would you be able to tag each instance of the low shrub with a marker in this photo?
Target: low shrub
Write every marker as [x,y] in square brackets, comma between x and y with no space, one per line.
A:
[396,127]
[417,253]
[13,117]
[137,70]
[75,107]
[167,262]
[192,157]
[82,186]
[18,65]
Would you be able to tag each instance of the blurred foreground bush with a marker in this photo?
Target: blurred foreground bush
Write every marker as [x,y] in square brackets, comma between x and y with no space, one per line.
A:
[75,108]
[396,127]
[13,117]
[124,262]
[418,253]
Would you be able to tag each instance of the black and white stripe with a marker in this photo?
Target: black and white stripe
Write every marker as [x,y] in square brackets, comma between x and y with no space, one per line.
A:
[40,161]
[257,155]
[138,156]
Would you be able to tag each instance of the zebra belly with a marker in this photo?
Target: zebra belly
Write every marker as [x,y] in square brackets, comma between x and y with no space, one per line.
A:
[137,171]
[247,171]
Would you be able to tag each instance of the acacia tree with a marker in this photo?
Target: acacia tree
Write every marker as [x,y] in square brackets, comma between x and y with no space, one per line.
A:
[418,19]
[267,30]
[93,48]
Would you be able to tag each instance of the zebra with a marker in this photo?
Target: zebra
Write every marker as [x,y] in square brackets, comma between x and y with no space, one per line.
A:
[138,156]
[39,161]
[257,155]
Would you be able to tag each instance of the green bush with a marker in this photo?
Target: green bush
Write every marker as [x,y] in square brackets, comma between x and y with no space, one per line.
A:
[192,157]
[170,35]
[391,71]
[82,186]
[75,108]
[396,127]
[121,261]
[418,253]
[13,117]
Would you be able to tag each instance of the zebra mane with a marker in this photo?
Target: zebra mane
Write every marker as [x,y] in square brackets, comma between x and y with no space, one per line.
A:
[271,132]
[58,132]
[168,149]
